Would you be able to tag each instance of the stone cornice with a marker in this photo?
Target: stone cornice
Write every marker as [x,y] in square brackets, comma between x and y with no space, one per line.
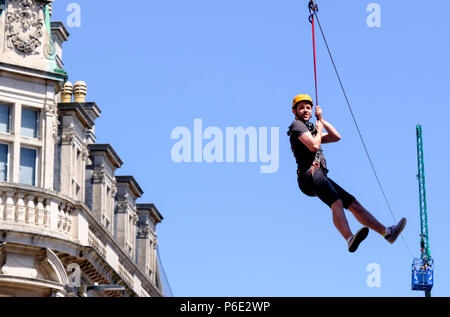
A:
[60,29]
[30,72]
[109,151]
[92,108]
[80,112]
[154,212]
[134,186]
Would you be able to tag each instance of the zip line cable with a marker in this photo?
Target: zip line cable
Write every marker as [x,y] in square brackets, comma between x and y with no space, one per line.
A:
[167,290]
[314,14]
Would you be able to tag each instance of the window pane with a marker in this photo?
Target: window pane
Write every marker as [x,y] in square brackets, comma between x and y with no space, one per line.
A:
[3,163]
[4,118]
[27,166]
[29,123]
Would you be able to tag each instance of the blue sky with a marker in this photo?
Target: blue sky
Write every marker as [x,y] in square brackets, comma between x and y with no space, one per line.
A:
[153,66]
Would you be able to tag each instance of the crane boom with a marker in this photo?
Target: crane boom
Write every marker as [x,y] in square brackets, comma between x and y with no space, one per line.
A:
[424,238]
[424,241]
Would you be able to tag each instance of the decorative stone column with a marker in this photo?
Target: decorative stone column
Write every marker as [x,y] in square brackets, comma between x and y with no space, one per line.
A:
[10,207]
[67,142]
[98,184]
[30,210]
[40,211]
[49,123]
[121,224]
[21,208]
[143,244]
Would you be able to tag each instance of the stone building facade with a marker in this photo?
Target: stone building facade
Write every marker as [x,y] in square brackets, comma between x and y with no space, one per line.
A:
[68,223]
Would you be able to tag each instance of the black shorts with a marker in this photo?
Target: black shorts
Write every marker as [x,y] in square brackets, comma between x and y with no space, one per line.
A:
[323,187]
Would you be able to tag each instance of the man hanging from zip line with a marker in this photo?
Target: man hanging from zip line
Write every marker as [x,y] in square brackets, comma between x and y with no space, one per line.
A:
[306,140]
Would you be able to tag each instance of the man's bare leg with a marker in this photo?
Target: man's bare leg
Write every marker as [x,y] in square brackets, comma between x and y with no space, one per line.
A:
[340,221]
[366,218]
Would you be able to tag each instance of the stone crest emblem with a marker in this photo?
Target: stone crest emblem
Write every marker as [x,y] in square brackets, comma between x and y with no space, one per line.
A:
[24,26]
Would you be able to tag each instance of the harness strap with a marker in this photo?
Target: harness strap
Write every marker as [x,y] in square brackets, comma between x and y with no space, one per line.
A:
[315,164]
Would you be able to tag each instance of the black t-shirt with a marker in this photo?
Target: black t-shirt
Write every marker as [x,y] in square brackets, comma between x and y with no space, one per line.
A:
[302,154]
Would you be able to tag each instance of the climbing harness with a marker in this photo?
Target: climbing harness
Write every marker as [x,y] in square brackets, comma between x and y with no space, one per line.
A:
[315,165]
[313,10]
[317,159]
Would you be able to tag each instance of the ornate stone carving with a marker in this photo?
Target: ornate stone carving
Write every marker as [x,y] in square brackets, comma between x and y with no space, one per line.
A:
[98,233]
[96,244]
[135,219]
[143,230]
[122,203]
[114,191]
[149,288]
[126,276]
[99,175]
[85,152]
[55,126]
[49,46]
[51,110]
[68,137]
[24,27]
[127,264]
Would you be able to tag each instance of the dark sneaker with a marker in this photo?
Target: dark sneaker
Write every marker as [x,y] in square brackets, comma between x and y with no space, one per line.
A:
[359,237]
[395,231]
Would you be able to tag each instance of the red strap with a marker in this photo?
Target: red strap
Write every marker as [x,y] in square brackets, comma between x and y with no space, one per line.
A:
[314,51]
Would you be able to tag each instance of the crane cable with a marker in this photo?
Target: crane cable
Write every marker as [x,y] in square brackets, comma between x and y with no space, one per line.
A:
[313,8]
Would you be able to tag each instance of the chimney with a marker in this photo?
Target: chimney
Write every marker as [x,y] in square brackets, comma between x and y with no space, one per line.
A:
[66,93]
[80,91]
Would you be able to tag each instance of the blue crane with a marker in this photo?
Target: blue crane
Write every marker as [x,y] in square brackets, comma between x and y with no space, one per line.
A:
[423,267]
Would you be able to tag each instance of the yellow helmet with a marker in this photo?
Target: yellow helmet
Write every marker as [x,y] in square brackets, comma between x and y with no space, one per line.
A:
[299,98]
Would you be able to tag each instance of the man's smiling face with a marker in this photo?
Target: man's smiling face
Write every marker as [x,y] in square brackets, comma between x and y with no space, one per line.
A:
[303,111]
